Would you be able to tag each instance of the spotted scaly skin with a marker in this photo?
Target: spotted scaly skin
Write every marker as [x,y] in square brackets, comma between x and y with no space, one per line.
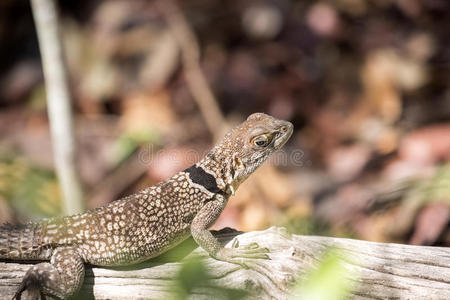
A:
[150,222]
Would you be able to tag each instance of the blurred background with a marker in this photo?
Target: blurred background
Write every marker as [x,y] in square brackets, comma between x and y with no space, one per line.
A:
[365,83]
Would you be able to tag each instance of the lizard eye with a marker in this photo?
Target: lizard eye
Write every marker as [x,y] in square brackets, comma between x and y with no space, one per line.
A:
[261,141]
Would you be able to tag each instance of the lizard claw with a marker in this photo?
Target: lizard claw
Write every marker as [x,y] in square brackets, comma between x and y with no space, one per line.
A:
[250,246]
[241,255]
[20,290]
[253,246]
[33,293]
[235,243]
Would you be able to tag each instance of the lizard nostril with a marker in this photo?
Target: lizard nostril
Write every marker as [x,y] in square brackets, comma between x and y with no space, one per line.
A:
[283,129]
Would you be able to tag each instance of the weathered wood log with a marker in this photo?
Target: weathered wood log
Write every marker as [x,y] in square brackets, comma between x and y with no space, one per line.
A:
[380,271]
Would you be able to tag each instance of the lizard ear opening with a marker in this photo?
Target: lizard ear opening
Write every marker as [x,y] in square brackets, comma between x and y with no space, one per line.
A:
[238,164]
[238,167]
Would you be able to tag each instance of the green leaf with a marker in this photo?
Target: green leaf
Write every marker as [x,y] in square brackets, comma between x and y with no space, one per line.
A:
[330,281]
[193,276]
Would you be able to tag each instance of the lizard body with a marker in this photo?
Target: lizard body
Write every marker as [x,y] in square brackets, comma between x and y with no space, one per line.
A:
[150,222]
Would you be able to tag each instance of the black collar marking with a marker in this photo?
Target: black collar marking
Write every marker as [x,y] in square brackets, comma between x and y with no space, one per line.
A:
[200,176]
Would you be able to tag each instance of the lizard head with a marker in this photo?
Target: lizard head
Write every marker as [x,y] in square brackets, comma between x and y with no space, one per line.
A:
[247,146]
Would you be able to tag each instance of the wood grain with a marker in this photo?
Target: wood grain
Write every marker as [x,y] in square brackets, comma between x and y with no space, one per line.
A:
[380,270]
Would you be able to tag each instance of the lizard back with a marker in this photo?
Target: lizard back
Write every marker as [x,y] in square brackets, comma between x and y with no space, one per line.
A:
[128,230]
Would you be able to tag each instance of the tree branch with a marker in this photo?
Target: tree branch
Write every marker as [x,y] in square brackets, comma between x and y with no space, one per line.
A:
[381,271]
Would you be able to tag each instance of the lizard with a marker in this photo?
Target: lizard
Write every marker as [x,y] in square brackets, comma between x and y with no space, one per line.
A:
[148,223]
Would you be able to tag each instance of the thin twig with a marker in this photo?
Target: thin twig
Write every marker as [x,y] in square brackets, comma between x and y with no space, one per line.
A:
[195,78]
[58,102]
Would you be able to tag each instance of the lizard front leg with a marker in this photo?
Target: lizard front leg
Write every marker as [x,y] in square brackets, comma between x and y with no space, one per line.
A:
[203,237]
[61,278]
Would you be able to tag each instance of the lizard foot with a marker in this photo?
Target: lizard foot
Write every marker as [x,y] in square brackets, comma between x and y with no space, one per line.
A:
[241,255]
[44,279]
[31,285]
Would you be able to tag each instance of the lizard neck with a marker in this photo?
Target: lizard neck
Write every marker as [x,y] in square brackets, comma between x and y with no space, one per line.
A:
[219,164]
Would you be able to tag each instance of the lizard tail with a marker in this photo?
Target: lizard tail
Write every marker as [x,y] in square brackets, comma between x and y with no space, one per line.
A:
[23,242]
